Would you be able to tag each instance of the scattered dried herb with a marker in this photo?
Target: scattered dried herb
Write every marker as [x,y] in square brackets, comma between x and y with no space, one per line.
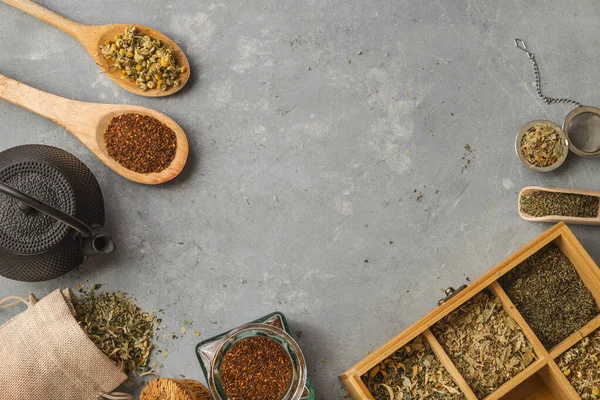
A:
[412,372]
[485,343]
[466,156]
[147,61]
[542,203]
[581,366]
[550,295]
[140,143]
[118,327]
[256,368]
[542,145]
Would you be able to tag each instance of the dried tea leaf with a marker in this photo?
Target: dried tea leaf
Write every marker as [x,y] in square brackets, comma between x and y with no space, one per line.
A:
[542,203]
[480,338]
[542,145]
[527,358]
[389,389]
[374,372]
[450,389]
[581,365]
[548,292]
[412,372]
[407,383]
[118,327]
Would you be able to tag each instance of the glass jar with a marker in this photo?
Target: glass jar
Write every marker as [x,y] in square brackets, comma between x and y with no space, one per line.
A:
[211,353]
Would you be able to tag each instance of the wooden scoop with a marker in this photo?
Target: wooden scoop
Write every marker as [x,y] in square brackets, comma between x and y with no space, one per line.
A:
[557,218]
[94,36]
[88,122]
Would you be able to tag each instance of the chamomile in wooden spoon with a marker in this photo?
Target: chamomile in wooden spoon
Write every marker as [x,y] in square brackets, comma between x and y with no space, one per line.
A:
[141,60]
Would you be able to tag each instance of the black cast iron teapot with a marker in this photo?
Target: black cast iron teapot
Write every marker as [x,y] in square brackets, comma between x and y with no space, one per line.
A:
[51,213]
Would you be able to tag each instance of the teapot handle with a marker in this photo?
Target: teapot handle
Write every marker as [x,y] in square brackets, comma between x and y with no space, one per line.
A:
[55,213]
[99,241]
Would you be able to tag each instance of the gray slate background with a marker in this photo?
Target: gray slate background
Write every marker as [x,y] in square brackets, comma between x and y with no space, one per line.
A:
[297,177]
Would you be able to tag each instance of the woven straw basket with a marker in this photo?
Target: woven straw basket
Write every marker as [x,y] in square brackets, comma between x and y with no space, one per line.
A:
[175,389]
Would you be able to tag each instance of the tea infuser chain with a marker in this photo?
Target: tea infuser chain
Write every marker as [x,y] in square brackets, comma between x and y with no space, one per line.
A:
[548,100]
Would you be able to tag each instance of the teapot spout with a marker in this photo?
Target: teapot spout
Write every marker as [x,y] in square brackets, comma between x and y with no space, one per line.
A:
[95,241]
[99,243]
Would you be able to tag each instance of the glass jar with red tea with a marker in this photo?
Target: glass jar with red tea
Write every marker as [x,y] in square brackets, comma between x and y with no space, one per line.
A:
[255,362]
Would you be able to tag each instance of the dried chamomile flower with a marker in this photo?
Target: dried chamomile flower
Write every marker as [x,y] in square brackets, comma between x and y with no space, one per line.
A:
[412,372]
[580,365]
[147,61]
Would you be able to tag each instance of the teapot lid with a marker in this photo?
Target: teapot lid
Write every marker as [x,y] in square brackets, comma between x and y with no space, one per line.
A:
[24,230]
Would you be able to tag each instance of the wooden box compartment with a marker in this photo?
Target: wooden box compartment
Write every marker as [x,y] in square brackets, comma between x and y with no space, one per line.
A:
[542,379]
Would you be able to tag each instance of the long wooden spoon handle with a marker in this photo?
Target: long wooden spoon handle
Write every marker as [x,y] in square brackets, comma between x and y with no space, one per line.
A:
[53,107]
[31,8]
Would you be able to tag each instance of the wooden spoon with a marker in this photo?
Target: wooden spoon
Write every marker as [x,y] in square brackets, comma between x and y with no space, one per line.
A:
[557,218]
[93,36]
[88,122]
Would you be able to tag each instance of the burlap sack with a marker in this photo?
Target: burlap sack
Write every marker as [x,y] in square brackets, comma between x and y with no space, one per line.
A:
[45,355]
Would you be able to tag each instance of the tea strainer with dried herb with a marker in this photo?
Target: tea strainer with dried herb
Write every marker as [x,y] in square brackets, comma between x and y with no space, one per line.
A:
[542,145]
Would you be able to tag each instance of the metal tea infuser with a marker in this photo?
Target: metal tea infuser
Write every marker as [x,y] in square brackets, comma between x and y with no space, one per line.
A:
[581,128]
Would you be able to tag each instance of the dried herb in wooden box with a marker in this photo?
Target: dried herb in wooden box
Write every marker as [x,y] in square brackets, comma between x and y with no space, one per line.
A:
[542,203]
[118,327]
[581,366]
[485,343]
[412,372]
[550,295]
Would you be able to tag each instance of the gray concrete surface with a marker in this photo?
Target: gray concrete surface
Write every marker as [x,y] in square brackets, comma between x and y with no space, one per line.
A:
[311,125]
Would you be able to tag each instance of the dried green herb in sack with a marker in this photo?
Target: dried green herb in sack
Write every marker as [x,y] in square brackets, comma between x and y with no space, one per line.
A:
[412,372]
[118,327]
[486,344]
[541,204]
[147,61]
[581,366]
[549,293]
[542,145]
[256,368]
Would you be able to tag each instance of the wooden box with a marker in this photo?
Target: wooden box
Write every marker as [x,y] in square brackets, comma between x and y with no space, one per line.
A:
[542,379]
